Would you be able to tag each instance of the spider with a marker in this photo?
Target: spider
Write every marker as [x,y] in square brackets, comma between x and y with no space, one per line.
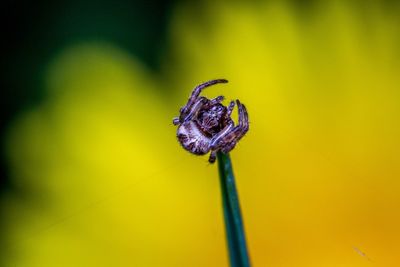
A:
[206,124]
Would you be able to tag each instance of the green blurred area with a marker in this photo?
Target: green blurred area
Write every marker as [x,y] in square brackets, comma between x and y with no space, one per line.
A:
[37,31]
[93,175]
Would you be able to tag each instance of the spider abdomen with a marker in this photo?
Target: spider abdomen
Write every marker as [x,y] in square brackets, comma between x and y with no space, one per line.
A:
[193,139]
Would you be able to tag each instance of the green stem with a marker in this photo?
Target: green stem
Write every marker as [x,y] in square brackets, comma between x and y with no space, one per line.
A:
[233,219]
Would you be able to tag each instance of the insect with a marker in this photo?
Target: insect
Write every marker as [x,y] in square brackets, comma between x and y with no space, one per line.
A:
[206,125]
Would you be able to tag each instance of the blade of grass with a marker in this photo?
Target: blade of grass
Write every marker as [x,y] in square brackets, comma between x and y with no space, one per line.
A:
[236,237]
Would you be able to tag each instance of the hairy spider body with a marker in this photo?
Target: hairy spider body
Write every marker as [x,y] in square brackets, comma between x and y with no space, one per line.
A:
[206,125]
[193,139]
[210,120]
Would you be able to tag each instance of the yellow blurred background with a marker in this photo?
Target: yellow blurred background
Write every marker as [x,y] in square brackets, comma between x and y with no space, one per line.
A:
[105,183]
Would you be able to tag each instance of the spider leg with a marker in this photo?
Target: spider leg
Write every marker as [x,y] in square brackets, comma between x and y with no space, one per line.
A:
[230,109]
[216,100]
[213,156]
[228,147]
[176,121]
[196,92]
[226,140]
[201,101]
[243,126]
[218,137]
[243,118]
[196,107]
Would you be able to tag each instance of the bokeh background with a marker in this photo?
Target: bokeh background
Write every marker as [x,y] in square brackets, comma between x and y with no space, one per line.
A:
[92,174]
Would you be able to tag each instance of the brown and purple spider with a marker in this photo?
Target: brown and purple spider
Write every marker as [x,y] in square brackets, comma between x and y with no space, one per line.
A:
[206,124]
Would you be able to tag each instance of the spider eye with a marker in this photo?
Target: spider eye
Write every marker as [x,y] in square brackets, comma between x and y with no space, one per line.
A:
[216,108]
